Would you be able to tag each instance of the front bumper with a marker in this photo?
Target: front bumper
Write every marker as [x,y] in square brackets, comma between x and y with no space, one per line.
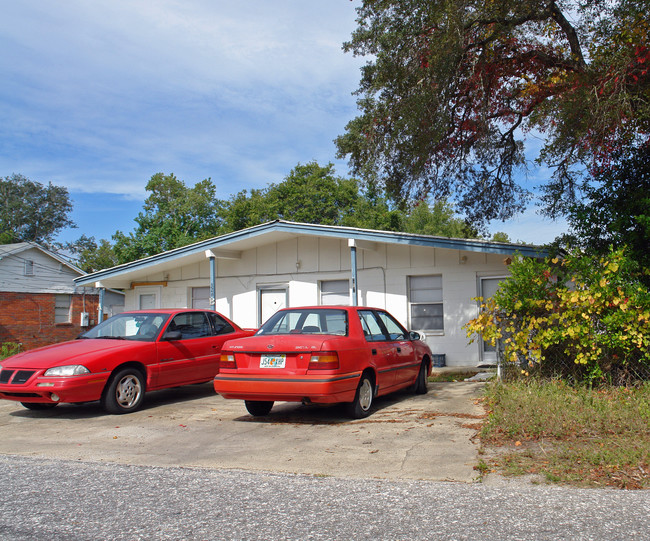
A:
[39,389]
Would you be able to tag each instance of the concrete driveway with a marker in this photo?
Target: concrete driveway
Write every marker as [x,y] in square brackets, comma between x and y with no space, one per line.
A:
[407,437]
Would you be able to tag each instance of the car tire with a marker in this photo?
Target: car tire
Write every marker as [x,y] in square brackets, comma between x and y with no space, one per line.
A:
[124,392]
[258,408]
[37,406]
[420,385]
[360,408]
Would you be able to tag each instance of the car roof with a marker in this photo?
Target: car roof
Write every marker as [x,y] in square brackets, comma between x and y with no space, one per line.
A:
[166,311]
[331,307]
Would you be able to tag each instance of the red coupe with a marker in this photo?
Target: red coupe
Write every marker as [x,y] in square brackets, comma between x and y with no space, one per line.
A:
[323,355]
[120,359]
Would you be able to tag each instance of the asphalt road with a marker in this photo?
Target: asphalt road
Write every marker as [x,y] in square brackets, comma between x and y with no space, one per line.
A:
[62,500]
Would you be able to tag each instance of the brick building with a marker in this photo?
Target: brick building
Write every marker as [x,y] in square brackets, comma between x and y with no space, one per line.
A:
[39,302]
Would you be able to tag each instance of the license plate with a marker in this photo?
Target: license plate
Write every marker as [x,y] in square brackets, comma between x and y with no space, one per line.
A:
[273,361]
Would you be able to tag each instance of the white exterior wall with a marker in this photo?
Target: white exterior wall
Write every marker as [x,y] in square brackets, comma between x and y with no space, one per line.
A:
[300,263]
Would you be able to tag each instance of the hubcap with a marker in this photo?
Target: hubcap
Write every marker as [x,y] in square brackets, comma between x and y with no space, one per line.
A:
[365,395]
[128,391]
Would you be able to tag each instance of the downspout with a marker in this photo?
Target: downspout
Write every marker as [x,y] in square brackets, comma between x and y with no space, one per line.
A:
[213,279]
[354,296]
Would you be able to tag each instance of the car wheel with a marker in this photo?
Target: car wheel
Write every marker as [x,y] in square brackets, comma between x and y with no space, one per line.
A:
[362,399]
[36,406]
[124,392]
[258,408]
[420,386]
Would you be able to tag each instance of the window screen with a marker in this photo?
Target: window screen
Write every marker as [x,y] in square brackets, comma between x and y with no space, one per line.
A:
[62,309]
[335,292]
[201,298]
[425,301]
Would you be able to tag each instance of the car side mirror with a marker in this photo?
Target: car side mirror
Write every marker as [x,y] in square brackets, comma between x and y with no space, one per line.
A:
[413,335]
[173,335]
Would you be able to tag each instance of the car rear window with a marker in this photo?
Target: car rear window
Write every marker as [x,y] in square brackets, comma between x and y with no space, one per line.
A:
[300,321]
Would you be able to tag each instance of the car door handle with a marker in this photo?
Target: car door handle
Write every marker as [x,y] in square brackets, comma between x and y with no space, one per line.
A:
[399,350]
[374,352]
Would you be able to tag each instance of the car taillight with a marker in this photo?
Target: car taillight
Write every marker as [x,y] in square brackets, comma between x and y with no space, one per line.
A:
[325,360]
[227,361]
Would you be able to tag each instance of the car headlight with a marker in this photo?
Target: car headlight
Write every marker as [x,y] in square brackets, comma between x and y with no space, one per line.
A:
[70,370]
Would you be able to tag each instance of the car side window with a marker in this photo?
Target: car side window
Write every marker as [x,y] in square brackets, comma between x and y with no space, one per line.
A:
[371,328]
[191,325]
[395,330]
[219,324]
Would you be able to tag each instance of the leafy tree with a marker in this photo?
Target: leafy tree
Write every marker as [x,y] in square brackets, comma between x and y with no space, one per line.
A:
[454,86]
[437,218]
[90,256]
[616,208]
[500,236]
[32,211]
[173,216]
[310,193]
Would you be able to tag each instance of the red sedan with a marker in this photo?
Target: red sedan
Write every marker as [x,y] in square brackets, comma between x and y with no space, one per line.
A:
[120,359]
[323,355]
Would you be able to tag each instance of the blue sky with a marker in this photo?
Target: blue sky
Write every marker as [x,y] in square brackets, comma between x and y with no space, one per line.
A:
[100,95]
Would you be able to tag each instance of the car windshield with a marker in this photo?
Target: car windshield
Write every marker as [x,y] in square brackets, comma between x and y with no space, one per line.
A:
[129,326]
[307,321]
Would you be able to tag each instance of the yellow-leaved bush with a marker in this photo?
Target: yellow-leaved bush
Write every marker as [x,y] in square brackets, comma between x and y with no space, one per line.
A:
[579,316]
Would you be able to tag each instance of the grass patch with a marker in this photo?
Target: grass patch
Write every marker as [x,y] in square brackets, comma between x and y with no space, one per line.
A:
[566,434]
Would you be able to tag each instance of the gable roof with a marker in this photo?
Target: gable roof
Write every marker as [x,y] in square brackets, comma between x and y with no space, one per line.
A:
[233,243]
[13,250]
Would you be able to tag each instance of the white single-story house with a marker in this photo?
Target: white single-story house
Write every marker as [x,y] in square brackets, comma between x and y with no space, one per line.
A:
[429,283]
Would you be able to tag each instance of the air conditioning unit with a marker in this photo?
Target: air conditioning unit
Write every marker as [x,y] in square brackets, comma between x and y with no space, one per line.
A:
[84,319]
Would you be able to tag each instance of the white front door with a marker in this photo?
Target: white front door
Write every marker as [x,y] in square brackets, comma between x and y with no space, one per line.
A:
[489,287]
[271,300]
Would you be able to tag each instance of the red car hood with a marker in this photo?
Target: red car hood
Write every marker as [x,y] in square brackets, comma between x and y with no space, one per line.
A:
[73,352]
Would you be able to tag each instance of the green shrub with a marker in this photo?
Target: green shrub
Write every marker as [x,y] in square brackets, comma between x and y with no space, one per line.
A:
[7,349]
[581,317]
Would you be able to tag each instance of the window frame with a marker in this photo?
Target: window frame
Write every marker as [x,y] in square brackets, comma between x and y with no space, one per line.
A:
[57,309]
[440,303]
[322,298]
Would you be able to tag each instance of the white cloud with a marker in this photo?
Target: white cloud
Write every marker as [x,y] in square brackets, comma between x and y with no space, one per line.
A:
[114,89]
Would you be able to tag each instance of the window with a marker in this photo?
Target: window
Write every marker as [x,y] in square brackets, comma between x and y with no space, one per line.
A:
[62,308]
[307,321]
[191,325]
[395,330]
[29,267]
[201,298]
[425,303]
[220,325]
[335,292]
[371,328]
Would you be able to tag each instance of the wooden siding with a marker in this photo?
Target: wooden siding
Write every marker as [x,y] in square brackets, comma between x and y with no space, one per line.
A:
[50,276]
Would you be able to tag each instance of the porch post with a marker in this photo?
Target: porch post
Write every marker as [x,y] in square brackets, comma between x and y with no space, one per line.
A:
[100,309]
[354,297]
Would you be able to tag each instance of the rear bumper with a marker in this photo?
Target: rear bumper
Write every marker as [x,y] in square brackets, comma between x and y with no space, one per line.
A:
[322,389]
[86,388]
